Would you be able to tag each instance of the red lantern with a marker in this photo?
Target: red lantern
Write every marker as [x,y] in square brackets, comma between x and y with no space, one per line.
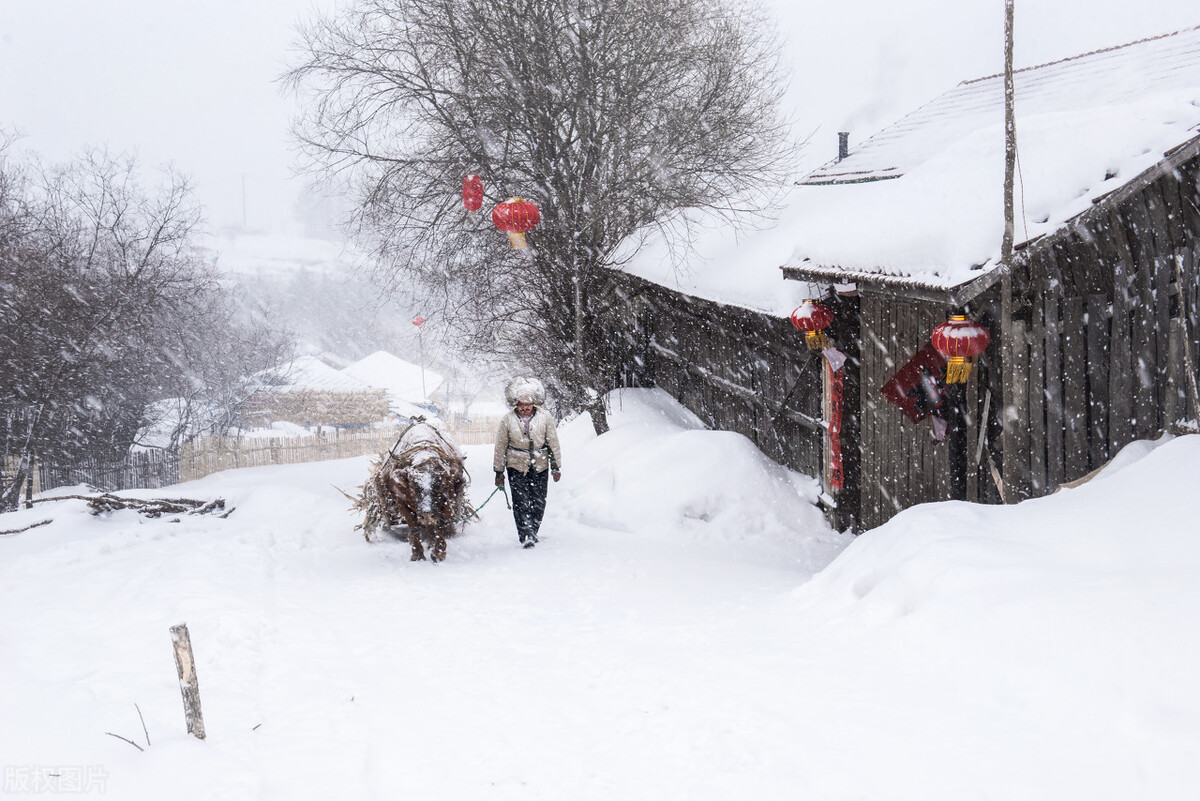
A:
[812,318]
[960,340]
[516,216]
[473,193]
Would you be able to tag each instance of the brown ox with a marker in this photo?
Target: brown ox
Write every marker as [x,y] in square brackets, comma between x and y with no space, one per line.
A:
[423,484]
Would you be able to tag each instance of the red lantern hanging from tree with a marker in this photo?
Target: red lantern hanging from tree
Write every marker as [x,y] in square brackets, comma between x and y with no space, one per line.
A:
[516,216]
[812,318]
[960,340]
[473,193]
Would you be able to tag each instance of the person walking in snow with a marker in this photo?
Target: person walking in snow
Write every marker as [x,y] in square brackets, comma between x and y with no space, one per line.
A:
[527,449]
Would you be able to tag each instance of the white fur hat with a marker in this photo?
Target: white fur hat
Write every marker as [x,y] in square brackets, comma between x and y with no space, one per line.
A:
[525,390]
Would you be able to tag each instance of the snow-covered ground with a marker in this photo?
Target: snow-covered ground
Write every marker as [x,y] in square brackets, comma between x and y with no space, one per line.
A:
[665,640]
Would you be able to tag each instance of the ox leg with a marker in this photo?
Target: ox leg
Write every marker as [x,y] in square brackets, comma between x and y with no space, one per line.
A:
[414,540]
[439,546]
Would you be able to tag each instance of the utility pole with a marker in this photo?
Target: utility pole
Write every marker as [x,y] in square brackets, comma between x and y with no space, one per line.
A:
[1008,405]
[419,321]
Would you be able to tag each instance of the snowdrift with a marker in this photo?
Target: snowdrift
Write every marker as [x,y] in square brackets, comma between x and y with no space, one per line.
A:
[659,472]
[1045,650]
[1138,520]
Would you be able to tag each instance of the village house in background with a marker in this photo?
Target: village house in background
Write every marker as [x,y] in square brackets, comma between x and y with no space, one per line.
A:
[466,405]
[316,412]
[410,390]
[312,394]
[904,230]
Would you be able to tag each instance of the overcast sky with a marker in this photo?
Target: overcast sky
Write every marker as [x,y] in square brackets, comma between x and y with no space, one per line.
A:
[193,83]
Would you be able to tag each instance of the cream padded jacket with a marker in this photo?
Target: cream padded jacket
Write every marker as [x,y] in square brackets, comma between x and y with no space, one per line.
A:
[513,446]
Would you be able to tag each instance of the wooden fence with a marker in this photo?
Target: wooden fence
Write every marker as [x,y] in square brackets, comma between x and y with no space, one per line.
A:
[472,430]
[144,469]
[206,455]
[736,369]
[158,468]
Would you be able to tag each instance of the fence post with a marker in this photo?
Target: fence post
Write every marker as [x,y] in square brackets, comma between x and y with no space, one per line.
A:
[189,685]
[33,462]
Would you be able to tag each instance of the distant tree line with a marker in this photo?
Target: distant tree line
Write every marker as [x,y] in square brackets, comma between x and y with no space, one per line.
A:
[109,315]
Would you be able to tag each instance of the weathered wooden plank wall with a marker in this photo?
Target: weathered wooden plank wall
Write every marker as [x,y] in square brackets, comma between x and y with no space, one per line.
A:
[1074,386]
[736,369]
[1102,368]
[902,465]
[1093,365]
[1053,381]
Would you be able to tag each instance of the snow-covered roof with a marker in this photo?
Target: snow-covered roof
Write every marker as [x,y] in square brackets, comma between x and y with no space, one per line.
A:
[920,202]
[723,264]
[402,379]
[932,214]
[309,372]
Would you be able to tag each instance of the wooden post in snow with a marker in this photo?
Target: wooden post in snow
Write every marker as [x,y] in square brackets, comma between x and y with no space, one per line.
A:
[185,664]
[1007,406]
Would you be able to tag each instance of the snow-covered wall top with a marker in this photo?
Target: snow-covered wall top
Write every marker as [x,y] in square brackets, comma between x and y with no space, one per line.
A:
[1085,126]
[932,213]
[723,264]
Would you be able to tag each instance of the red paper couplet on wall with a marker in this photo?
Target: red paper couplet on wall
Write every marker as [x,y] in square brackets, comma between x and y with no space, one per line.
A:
[837,384]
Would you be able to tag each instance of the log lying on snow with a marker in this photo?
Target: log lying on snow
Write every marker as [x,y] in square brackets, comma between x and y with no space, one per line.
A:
[154,507]
[26,528]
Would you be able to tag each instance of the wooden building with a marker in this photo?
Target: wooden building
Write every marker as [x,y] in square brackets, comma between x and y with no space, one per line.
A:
[1105,276]
[904,230]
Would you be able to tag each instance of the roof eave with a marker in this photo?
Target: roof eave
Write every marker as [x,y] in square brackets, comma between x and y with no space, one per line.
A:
[897,286]
[822,178]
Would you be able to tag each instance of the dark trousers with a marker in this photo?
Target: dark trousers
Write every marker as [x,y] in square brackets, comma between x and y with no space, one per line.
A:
[528,500]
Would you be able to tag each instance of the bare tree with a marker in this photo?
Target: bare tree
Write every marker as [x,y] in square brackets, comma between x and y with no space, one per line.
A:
[105,307]
[219,353]
[612,115]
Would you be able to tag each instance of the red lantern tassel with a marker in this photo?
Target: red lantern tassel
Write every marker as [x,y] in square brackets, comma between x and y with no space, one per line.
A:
[958,370]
